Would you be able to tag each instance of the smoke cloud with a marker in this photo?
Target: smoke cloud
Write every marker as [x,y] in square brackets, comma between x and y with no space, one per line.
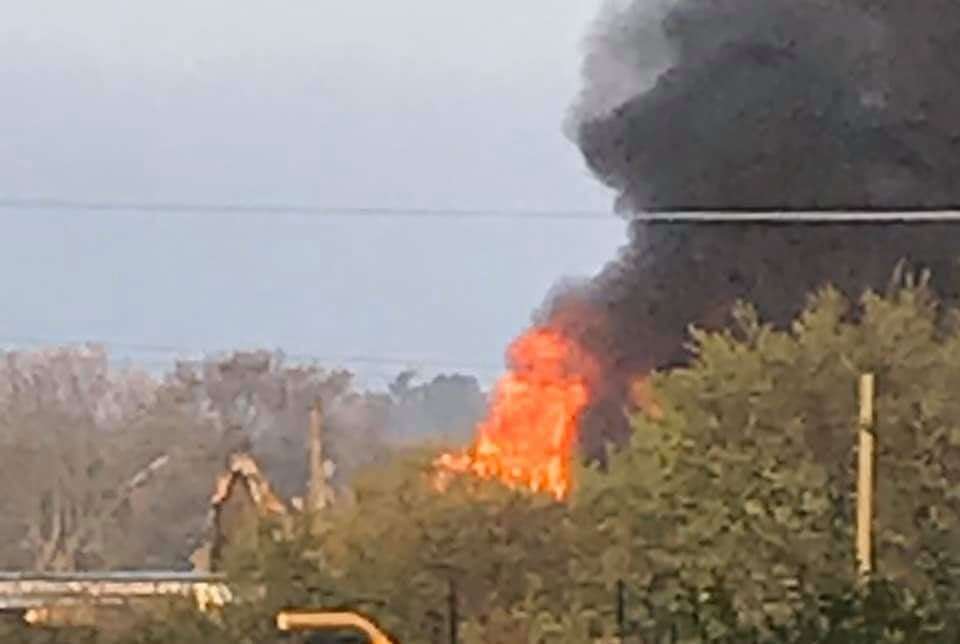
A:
[776,104]
[782,105]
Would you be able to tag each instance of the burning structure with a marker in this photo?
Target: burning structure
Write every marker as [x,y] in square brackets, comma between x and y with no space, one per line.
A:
[529,436]
[772,105]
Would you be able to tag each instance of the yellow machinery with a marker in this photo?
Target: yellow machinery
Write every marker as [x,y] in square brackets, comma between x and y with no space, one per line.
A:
[302,624]
[306,621]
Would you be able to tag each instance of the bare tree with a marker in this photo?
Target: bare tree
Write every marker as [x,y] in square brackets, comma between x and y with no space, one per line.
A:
[69,466]
[103,468]
[262,405]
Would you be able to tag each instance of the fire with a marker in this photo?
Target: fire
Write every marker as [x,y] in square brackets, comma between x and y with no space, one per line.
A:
[530,433]
[643,398]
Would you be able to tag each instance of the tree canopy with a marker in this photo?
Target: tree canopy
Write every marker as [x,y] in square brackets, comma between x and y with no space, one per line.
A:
[729,515]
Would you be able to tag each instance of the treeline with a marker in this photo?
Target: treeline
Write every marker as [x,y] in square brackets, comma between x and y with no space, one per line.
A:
[103,468]
[729,517]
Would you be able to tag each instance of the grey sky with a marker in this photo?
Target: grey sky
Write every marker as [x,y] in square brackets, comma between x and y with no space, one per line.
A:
[429,104]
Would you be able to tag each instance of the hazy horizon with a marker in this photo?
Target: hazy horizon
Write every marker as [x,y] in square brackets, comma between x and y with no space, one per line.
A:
[335,106]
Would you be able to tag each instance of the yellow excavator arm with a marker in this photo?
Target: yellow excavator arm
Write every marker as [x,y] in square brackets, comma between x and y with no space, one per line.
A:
[307,620]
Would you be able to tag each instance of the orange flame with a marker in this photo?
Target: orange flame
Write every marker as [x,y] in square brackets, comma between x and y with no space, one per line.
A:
[644,398]
[530,433]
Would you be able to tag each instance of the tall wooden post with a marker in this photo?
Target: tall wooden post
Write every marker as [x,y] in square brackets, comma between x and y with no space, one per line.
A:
[452,613]
[865,479]
[621,611]
[317,485]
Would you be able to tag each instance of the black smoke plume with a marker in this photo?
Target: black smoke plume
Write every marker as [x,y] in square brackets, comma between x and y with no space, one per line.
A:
[780,105]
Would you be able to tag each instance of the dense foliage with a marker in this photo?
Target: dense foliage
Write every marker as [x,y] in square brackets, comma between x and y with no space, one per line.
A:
[727,518]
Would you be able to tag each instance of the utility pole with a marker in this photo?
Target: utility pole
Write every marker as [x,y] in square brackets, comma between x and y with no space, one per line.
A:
[865,478]
[621,611]
[317,492]
[453,616]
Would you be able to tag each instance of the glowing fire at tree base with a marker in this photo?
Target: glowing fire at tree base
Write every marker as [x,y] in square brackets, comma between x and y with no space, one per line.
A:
[530,433]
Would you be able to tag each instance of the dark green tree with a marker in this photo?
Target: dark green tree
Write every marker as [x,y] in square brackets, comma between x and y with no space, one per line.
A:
[751,469]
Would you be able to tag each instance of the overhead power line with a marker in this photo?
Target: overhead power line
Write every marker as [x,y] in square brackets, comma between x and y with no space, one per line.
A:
[183,208]
[852,214]
[378,375]
[178,353]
